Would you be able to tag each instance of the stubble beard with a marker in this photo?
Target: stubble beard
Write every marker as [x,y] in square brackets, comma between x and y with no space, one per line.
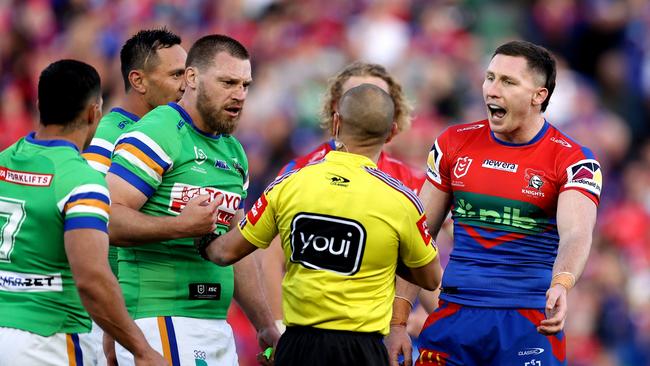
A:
[212,117]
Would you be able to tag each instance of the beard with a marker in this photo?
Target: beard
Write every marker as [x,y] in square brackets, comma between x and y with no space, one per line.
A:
[215,119]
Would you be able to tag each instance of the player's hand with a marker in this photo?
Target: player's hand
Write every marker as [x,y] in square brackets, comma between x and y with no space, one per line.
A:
[150,358]
[398,343]
[267,337]
[199,216]
[556,311]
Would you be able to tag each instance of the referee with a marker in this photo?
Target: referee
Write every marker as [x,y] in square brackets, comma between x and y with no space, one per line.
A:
[346,229]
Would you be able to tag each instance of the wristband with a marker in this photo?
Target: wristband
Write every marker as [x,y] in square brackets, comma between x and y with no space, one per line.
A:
[565,279]
[405,299]
[202,244]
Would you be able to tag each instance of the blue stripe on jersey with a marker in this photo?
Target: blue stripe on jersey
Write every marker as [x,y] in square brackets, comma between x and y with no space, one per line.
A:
[90,195]
[173,346]
[85,222]
[397,185]
[49,143]
[94,149]
[78,356]
[288,167]
[190,122]
[132,178]
[537,137]
[588,153]
[126,114]
[146,150]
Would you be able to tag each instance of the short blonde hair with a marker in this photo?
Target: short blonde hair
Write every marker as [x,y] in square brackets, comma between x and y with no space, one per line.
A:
[335,91]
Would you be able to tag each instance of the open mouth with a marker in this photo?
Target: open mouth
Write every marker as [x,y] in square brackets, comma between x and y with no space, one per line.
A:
[233,110]
[496,111]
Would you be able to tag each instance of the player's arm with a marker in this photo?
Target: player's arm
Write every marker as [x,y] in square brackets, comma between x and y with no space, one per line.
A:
[576,217]
[436,206]
[87,252]
[272,263]
[129,226]
[249,292]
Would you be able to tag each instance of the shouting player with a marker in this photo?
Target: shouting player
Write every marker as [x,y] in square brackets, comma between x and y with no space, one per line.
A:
[523,199]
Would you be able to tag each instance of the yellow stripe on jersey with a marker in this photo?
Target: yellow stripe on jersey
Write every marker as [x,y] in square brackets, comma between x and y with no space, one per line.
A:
[141,156]
[89,203]
[164,339]
[97,158]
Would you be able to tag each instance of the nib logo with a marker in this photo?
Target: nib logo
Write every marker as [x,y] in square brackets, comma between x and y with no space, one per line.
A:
[464,208]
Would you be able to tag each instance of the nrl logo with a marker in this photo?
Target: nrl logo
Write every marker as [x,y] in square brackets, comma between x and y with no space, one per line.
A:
[462,166]
[200,156]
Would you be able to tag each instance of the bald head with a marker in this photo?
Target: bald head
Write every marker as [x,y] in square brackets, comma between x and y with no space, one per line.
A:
[367,114]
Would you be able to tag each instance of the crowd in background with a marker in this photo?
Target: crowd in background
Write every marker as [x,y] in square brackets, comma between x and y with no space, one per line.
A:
[438,50]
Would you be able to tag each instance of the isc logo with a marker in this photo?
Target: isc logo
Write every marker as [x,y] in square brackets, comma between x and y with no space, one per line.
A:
[327,242]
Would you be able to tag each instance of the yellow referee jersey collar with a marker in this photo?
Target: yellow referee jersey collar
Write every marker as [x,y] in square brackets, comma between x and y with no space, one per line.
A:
[349,158]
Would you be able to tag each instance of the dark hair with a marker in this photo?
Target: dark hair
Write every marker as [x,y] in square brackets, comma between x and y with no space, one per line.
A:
[140,50]
[64,89]
[204,50]
[539,60]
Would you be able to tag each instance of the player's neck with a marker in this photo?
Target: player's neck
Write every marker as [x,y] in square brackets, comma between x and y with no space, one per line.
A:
[76,136]
[371,152]
[525,133]
[134,103]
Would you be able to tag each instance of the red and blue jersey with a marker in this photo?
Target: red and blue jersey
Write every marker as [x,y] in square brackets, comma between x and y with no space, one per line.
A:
[395,168]
[504,203]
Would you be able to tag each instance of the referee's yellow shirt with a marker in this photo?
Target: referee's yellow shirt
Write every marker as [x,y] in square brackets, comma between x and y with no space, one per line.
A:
[343,225]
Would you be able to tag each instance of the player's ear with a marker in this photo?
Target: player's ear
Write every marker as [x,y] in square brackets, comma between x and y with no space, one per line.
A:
[191,77]
[394,130]
[539,96]
[136,79]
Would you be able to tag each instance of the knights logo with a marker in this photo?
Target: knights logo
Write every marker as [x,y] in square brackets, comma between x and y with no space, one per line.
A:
[534,180]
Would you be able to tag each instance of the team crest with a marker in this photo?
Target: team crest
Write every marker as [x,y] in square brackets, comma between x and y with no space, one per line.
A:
[462,166]
[534,182]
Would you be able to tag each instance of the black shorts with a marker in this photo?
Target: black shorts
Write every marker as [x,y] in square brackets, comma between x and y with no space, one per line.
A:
[300,346]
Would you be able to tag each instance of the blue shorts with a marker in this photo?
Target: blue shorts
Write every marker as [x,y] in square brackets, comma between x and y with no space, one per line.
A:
[471,336]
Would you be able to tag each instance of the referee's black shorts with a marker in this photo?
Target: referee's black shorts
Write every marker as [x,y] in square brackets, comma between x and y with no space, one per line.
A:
[301,346]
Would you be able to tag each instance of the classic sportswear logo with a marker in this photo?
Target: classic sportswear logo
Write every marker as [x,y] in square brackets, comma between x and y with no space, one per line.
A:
[530,351]
[500,165]
[472,127]
[562,142]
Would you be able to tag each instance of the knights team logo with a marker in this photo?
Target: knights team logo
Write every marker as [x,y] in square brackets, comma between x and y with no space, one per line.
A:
[534,182]
[462,166]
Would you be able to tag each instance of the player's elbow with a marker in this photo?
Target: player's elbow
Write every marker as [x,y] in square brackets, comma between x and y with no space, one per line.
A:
[428,276]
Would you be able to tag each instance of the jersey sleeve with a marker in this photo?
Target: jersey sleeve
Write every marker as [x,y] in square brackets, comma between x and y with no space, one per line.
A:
[417,247]
[98,154]
[86,205]
[259,226]
[143,155]
[582,172]
[438,163]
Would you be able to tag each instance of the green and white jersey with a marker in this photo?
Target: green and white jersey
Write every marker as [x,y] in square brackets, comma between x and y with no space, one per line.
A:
[46,188]
[111,126]
[98,154]
[170,161]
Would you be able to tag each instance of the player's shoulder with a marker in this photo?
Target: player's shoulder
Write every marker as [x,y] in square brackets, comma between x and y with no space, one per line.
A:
[115,122]
[389,186]
[468,129]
